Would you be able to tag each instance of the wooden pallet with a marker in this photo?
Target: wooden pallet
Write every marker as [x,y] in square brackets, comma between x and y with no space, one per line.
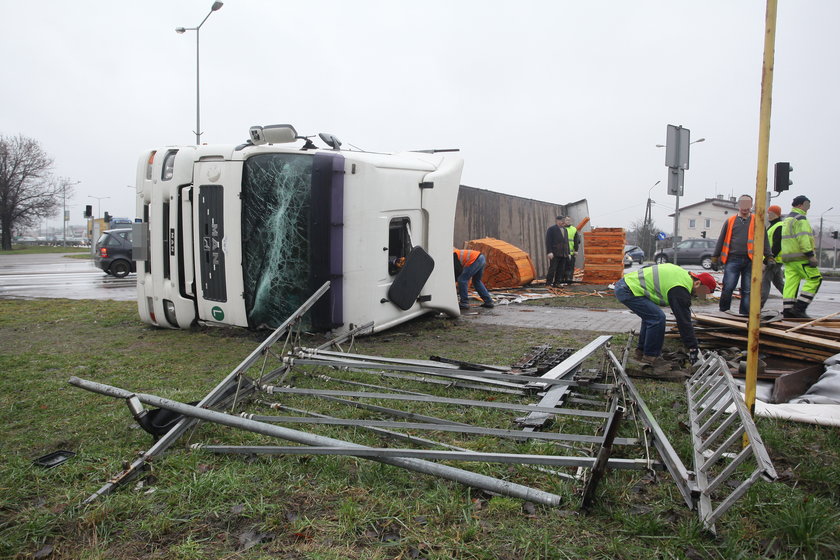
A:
[795,339]
[508,266]
[604,255]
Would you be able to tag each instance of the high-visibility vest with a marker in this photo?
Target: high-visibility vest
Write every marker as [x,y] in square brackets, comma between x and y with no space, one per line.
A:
[724,252]
[572,231]
[654,282]
[797,237]
[467,257]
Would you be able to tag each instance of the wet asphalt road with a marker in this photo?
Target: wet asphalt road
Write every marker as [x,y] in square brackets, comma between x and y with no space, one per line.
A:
[56,276]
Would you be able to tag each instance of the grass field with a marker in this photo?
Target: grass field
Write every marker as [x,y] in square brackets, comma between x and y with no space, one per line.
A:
[194,505]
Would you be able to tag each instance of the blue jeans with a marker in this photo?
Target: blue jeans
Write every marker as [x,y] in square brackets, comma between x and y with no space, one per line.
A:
[473,272]
[737,269]
[652,331]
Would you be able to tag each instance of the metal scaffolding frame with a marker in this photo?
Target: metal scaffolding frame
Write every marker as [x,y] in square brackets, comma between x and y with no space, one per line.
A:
[725,441]
[596,402]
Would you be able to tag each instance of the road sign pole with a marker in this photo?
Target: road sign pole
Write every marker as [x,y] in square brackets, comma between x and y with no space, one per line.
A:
[676,225]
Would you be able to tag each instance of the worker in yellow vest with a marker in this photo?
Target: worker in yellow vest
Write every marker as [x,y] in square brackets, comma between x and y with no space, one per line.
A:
[574,244]
[644,291]
[800,260]
[774,273]
[734,249]
[469,266]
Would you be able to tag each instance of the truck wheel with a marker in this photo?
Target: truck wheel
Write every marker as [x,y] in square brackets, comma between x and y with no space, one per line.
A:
[120,269]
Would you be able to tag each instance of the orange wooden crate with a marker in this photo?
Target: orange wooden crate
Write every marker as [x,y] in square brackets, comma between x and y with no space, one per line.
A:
[604,255]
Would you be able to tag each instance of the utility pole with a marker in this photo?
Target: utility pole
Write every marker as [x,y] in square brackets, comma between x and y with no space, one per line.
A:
[819,241]
[648,223]
[768,62]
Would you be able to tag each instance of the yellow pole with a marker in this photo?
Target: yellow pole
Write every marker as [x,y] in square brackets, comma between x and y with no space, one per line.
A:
[760,203]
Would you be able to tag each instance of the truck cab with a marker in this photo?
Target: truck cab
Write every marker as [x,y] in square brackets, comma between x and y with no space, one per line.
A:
[243,234]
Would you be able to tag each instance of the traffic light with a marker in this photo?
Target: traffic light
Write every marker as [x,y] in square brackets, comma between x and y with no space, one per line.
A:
[834,235]
[107,218]
[782,180]
[88,211]
[703,234]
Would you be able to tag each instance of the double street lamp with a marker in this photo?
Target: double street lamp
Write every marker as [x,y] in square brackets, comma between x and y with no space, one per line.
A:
[64,184]
[690,143]
[215,7]
[819,243]
[99,200]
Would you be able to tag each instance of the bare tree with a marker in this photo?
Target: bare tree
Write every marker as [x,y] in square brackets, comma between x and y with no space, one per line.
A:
[644,233]
[28,191]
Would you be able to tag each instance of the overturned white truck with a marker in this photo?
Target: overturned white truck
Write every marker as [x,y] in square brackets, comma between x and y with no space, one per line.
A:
[242,235]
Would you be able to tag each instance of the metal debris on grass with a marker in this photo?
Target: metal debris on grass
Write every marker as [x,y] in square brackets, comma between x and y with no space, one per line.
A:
[565,423]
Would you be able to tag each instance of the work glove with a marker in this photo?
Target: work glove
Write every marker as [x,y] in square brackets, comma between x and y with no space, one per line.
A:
[550,256]
[812,261]
[715,264]
[694,356]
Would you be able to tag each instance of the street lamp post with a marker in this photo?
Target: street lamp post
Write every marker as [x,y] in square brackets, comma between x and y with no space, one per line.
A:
[819,243]
[648,220]
[215,7]
[99,200]
[677,197]
[690,143]
[64,186]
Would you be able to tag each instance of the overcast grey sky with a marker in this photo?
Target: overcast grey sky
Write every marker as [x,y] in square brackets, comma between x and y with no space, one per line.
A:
[551,99]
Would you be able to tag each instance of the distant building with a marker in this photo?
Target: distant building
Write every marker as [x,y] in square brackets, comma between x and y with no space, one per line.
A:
[706,216]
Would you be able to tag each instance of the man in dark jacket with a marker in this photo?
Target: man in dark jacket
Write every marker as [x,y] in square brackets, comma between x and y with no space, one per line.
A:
[557,247]
[774,272]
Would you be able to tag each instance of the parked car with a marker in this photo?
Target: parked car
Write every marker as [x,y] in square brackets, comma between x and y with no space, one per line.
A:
[113,252]
[689,251]
[635,252]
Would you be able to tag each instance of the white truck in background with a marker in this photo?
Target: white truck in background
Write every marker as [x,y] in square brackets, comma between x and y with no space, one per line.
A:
[242,235]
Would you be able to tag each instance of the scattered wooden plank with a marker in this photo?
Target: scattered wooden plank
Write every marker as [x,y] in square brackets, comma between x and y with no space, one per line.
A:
[822,342]
[809,323]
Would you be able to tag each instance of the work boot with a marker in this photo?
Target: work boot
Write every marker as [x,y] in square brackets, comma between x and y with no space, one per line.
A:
[488,304]
[796,312]
[654,367]
[638,354]
[799,307]
[656,363]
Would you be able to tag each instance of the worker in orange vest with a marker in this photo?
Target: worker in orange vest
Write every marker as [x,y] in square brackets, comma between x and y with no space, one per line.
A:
[469,265]
[734,249]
